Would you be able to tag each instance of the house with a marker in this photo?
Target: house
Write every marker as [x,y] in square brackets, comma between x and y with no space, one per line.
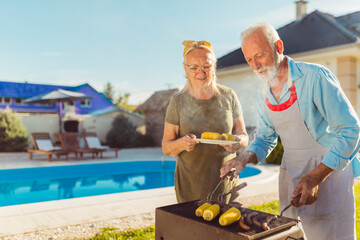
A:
[317,37]
[155,111]
[95,114]
[100,121]
[13,94]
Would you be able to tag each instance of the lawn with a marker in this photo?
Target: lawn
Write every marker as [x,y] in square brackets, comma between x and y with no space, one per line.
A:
[149,232]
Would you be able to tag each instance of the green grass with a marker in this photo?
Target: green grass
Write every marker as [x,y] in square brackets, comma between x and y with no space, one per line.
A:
[149,232]
[109,233]
[270,207]
[357,210]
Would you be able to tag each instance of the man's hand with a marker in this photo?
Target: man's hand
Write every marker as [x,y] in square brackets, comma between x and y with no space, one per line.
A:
[309,191]
[237,164]
[309,185]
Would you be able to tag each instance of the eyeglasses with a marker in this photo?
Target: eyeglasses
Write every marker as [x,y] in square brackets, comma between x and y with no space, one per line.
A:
[196,69]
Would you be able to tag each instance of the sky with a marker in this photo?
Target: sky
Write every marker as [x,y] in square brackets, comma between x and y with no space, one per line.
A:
[133,44]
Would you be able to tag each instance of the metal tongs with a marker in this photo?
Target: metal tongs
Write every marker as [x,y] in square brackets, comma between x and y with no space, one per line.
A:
[209,196]
[234,189]
[293,202]
[222,195]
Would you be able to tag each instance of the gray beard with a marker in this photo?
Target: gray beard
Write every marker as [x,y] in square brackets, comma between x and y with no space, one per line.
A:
[269,78]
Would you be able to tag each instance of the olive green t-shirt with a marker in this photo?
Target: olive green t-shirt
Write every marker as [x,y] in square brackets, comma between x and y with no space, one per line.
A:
[197,172]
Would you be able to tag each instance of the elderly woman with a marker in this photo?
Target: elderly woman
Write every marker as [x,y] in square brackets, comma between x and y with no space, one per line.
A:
[202,106]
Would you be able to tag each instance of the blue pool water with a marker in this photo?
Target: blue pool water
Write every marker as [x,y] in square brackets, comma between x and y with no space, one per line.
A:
[29,185]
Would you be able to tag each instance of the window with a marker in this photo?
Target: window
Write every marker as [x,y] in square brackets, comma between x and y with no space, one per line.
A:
[43,104]
[20,101]
[4,100]
[85,103]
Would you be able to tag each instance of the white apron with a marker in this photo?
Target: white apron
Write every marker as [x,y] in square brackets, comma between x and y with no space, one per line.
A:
[332,216]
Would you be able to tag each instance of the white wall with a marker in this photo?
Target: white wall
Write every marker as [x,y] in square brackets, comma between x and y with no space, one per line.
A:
[41,123]
[50,123]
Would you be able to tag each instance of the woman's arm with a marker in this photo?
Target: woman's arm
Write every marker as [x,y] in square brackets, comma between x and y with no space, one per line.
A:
[239,129]
[173,145]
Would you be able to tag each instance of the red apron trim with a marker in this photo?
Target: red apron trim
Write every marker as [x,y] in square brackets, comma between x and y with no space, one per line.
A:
[285,105]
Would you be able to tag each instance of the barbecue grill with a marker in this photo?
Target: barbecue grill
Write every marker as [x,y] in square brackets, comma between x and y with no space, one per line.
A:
[179,222]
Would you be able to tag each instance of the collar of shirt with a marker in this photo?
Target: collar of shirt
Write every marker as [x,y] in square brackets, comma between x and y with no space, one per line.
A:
[294,74]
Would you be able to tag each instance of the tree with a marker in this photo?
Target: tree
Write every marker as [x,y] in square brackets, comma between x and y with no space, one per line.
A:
[123,101]
[109,91]
[13,134]
[123,134]
[275,156]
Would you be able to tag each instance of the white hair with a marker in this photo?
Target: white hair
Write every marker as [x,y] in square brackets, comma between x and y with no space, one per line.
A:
[269,31]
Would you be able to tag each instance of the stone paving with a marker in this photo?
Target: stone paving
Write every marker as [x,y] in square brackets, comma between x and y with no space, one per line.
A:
[84,217]
[67,218]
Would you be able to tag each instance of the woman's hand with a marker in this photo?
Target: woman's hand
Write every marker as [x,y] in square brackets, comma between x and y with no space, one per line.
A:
[233,147]
[172,144]
[189,142]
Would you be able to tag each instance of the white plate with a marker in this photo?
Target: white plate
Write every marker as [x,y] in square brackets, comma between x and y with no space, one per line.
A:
[211,141]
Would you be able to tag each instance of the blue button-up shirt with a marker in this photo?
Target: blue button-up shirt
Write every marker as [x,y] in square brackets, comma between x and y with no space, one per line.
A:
[327,113]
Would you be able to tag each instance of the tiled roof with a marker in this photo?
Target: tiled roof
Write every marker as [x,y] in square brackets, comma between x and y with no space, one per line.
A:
[27,90]
[158,101]
[351,22]
[316,30]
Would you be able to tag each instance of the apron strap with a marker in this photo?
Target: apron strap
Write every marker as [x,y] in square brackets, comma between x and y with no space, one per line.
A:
[285,105]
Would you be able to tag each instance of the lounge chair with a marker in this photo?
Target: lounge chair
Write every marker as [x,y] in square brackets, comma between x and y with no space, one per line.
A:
[92,141]
[42,144]
[70,142]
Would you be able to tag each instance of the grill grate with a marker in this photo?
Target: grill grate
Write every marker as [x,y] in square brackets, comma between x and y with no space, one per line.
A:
[180,219]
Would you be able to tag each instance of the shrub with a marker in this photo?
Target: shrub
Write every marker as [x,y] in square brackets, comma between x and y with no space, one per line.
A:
[275,156]
[13,134]
[123,134]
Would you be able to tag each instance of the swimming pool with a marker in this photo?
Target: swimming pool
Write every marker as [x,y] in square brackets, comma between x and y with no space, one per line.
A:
[29,185]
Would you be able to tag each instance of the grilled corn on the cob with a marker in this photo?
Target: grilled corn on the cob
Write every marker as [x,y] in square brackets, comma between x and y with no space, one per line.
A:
[211,212]
[210,135]
[230,216]
[200,210]
[228,137]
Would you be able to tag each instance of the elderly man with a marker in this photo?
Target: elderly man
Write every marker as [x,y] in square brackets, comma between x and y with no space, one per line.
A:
[304,104]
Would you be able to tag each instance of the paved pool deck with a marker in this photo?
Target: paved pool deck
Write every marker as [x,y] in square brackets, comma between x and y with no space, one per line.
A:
[52,214]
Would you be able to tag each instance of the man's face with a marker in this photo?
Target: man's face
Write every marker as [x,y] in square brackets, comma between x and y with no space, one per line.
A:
[260,56]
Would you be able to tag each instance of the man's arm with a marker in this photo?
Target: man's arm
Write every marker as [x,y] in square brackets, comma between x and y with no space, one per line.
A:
[237,164]
[336,109]
[262,145]
[341,117]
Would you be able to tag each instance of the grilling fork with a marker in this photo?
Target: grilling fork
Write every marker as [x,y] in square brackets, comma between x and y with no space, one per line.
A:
[293,202]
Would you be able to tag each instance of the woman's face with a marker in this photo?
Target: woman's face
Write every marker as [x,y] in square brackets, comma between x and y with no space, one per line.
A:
[199,68]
